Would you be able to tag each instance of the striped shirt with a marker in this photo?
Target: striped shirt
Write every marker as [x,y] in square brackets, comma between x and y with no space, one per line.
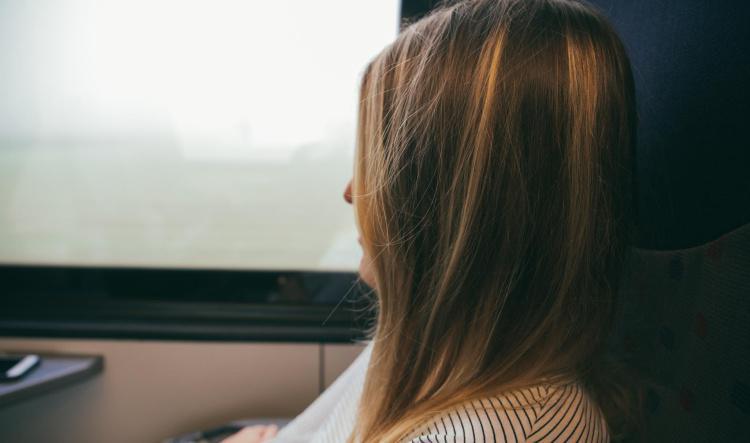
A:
[543,413]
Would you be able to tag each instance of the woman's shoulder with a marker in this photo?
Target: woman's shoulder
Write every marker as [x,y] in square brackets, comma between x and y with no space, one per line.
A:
[541,413]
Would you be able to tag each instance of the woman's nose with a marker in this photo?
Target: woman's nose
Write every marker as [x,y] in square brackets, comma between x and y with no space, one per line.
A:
[348,192]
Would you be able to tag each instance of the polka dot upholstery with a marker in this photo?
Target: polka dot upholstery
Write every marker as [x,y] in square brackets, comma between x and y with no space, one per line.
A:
[685,324]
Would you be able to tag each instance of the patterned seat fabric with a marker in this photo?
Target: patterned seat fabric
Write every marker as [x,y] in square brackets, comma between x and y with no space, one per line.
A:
[685,324]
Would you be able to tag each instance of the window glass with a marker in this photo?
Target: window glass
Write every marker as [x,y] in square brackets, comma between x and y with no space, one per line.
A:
[181,133]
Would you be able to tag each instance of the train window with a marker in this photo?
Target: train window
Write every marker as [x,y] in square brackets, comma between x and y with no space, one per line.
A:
[192,151]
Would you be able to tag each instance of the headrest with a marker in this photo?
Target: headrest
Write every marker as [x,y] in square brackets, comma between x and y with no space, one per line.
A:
[691,64]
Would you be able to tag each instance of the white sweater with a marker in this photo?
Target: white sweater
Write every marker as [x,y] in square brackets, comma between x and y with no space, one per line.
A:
[544,413]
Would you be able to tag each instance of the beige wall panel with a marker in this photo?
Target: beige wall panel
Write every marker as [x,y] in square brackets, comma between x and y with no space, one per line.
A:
[153,389]
[338,357]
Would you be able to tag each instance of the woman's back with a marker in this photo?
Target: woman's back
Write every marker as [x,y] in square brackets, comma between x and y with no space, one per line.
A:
[547,412]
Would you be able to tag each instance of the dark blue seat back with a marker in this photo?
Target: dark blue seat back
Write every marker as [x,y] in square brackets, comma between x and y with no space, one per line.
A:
[686,317]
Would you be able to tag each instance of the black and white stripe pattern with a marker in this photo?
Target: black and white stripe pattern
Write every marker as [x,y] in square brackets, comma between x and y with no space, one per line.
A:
[560,413]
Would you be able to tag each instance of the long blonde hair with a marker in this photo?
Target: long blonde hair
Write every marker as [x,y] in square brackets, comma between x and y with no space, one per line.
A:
[492,188]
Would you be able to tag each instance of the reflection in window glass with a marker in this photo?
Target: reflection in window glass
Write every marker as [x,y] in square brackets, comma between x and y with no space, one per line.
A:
[174,133]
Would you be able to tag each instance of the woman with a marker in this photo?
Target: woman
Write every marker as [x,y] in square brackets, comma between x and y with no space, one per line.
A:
[492,191]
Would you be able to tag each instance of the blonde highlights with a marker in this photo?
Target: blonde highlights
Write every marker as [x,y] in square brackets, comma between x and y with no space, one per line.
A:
[492,188]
